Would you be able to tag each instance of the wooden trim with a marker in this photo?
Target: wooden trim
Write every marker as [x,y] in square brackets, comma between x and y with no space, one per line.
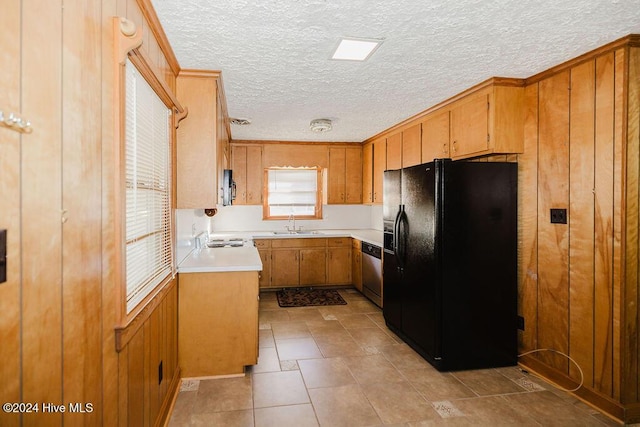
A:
[164,414]
[138,318]
[491,82]
[630,40]
[603,403]
[275,142]
[149,13]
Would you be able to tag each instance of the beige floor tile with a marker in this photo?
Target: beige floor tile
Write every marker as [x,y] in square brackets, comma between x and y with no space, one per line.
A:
[398,402]
[268,304]
[288,330]
[320,327]
[365,306]
[377,318]
[436,386]
[339,346]
[343,406]
[487,382]
[226,419]
[183,409]
[271,316]
[335,310]
[372,369]
[266,338]
[298,348]
[355,320]
[325,373]
[403,357]
[289,365]
[494,411]
[224,394]
[302,314]
[550,410]
[280,416]
[371,337]
[278,389]
[267,361]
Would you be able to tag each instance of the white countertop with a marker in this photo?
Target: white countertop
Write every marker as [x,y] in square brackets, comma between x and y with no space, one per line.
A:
[216,260]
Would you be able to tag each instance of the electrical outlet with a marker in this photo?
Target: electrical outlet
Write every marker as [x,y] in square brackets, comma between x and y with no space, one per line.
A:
[558,216]
[521,323]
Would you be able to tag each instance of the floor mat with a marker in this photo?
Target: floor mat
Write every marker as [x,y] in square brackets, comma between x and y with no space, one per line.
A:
[308,297]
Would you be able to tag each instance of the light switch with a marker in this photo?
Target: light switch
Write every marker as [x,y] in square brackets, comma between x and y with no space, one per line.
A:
[3,256]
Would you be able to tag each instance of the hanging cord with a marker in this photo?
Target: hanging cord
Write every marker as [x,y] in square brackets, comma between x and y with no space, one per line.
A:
[565,355]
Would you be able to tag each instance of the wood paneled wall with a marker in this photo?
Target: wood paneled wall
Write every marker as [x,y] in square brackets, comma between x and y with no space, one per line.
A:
[578,282]
[58,307]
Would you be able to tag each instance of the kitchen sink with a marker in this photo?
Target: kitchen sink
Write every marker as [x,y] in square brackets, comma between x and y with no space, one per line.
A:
[299,232]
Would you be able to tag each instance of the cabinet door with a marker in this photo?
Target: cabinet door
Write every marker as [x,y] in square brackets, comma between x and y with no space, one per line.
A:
[367,173]
[285,266]
[239,167]
[411,146]
[356,264]
[337,171]
[379,166]
[353,175]
[470,126]
[435,137]
[265,274]
[313,266]
[339,265]
[394,151]
[254,174]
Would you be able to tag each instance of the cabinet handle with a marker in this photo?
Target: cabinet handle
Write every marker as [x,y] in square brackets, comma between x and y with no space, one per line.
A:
[444,148]
[454,146]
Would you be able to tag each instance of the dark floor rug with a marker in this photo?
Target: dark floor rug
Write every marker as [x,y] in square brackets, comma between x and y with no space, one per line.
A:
[308,297]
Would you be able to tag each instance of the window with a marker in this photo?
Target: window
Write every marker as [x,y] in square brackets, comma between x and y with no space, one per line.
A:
[148,188]
[293,191]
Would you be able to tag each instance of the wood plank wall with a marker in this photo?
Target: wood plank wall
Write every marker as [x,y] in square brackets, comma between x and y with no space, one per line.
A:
[578,282]
[56,193]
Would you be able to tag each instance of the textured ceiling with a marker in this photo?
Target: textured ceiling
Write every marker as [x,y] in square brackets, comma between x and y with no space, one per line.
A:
[274,54]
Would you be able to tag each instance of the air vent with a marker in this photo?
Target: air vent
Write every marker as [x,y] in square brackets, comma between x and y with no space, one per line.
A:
[240,121]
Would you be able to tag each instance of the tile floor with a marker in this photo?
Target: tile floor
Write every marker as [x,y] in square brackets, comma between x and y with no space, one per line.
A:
[341,366]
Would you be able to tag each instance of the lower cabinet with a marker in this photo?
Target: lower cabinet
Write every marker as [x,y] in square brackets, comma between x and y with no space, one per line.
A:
[313,261]
[217,322]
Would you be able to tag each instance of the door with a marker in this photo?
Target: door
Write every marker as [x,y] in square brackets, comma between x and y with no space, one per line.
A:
[420,299]
[313,266]
[285,266]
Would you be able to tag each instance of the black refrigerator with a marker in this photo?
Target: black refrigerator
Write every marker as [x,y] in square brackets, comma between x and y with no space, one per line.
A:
[450,261]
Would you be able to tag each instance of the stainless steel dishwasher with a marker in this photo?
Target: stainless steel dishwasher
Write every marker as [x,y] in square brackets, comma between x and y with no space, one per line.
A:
[372,272]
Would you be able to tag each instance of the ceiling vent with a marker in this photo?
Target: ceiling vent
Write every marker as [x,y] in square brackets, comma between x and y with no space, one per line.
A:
[320,125]
[240,121]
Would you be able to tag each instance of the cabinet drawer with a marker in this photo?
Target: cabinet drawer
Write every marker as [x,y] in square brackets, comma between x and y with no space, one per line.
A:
[339,241]
[262,243]
[299,243]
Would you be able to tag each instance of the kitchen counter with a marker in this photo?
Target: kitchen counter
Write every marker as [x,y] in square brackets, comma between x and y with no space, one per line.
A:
[215,260]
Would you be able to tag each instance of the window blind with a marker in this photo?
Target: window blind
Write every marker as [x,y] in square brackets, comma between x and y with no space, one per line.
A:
[292,191]
[148,189]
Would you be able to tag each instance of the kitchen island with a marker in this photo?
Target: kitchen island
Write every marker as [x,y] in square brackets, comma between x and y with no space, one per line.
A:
[218,311]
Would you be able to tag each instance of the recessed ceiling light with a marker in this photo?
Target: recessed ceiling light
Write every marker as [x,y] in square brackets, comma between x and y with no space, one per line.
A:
[355,49]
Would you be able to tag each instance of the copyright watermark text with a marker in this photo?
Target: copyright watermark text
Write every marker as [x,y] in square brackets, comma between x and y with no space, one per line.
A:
[46,407]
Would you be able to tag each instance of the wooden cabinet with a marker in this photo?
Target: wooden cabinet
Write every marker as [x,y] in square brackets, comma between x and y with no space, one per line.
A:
[339,261]
[394,151]
[367,173]
[488,121]
[345,175]
[411,152]
[264,250]
[435,136]
[379,166]
[356,263]
[218,322]
[312,266]
[199,163]
[285,264]
[246,163]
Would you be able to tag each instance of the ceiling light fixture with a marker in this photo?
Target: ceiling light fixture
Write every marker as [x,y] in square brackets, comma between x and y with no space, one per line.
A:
[320,125]
[355,49]
[240,121]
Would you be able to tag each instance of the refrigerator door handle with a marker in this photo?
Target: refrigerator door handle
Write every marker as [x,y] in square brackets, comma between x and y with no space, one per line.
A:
[401,237]
[396,230]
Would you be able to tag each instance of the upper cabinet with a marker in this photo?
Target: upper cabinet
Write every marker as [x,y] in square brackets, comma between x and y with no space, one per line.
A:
[379,166]
[246,163]
[394,152]
[367,173]
[411,146]
[435,136]
[345,175]
[489,121]
[202,139]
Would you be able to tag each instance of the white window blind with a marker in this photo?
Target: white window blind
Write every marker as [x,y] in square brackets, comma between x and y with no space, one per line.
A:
[148,189]
[292,191]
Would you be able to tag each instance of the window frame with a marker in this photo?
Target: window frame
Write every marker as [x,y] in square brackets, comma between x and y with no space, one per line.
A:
[319,192]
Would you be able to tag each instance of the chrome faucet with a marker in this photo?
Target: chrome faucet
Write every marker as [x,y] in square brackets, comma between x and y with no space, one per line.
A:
[292,217]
